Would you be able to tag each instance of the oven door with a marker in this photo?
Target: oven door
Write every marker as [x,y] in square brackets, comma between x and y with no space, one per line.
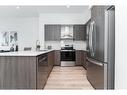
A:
[67,58]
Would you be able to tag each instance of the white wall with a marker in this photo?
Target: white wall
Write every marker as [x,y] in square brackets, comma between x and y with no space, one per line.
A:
[27,29]
[121,48]
[81,18]
[28,35]
[31,29]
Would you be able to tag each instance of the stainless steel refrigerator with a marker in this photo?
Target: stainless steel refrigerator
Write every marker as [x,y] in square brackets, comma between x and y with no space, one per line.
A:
[101,50]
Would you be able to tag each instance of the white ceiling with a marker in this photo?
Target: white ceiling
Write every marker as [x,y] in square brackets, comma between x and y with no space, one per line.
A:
[32,11]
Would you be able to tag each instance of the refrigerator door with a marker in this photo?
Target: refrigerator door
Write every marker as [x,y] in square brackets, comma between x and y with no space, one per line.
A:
[97,34]
[97,74]
[109,52]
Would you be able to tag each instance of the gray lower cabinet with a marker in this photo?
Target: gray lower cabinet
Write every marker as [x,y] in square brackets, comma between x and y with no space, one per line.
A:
[84,64]
[81,58]
[17,72]
[57,58]
[78,57]
[25,72]
[79,32]
[51,60]
[52,32]
[42,70]
[45,65]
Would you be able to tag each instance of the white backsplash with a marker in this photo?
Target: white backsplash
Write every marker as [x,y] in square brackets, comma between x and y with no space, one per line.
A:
[78,45]
[55,44]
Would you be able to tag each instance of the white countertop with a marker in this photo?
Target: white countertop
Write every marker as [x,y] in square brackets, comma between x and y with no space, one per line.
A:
[24,53]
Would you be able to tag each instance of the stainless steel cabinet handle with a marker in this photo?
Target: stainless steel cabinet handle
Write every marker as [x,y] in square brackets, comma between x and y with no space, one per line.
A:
[95,62]
[43,59]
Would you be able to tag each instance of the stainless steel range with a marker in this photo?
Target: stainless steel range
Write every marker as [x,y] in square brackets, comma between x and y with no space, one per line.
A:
[67,56]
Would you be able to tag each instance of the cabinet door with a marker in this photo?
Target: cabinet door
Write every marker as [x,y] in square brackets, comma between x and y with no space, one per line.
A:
[84,59]
[57,32]
[52,32]
[78,57]
[79,32]
[57,58]
[17,72]
[50,60]
[49,33]
[42,71]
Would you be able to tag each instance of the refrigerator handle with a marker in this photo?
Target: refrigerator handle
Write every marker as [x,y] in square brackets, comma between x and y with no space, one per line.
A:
[88,31]
[92,31]
[90,38]
[95,62]
[90,41]
[106,37]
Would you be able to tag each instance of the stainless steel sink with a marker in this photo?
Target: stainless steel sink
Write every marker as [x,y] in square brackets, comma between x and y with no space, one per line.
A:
[2,51]
[42,50]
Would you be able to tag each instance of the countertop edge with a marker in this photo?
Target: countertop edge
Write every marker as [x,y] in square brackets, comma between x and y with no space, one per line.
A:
[24,53]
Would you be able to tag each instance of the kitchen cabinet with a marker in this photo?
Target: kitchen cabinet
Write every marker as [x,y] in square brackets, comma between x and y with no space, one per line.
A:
[25,72]
[78,57]
[57,58]
[45,65]
[52,32]
[81,58]
[51,60]
[42,70]
[17,72]
[84,64]
[79,32]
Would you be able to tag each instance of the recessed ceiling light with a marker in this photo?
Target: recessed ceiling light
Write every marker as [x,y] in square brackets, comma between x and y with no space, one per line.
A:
[18,7]
[68,6]
[90,6]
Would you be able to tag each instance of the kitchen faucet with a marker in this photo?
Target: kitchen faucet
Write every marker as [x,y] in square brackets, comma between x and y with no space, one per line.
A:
[37,45]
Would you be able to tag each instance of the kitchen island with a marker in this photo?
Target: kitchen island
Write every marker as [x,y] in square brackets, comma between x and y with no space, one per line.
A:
[25,69]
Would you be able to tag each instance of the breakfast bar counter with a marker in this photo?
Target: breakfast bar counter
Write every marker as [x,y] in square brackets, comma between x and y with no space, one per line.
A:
[25,69]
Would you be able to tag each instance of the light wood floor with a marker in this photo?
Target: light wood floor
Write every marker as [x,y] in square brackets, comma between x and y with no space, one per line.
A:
[68,78]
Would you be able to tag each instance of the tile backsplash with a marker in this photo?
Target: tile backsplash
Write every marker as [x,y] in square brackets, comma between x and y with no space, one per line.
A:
[78,45]
[54,45]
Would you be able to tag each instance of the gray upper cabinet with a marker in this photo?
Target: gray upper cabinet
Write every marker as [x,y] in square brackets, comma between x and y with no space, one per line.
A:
[79,32]
[57,32]
[48,32]
[52,32]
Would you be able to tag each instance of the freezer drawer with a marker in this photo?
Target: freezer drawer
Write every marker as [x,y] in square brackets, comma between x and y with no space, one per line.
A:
[96,74]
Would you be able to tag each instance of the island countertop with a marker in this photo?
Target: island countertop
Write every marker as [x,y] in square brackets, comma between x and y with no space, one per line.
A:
[25,53]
